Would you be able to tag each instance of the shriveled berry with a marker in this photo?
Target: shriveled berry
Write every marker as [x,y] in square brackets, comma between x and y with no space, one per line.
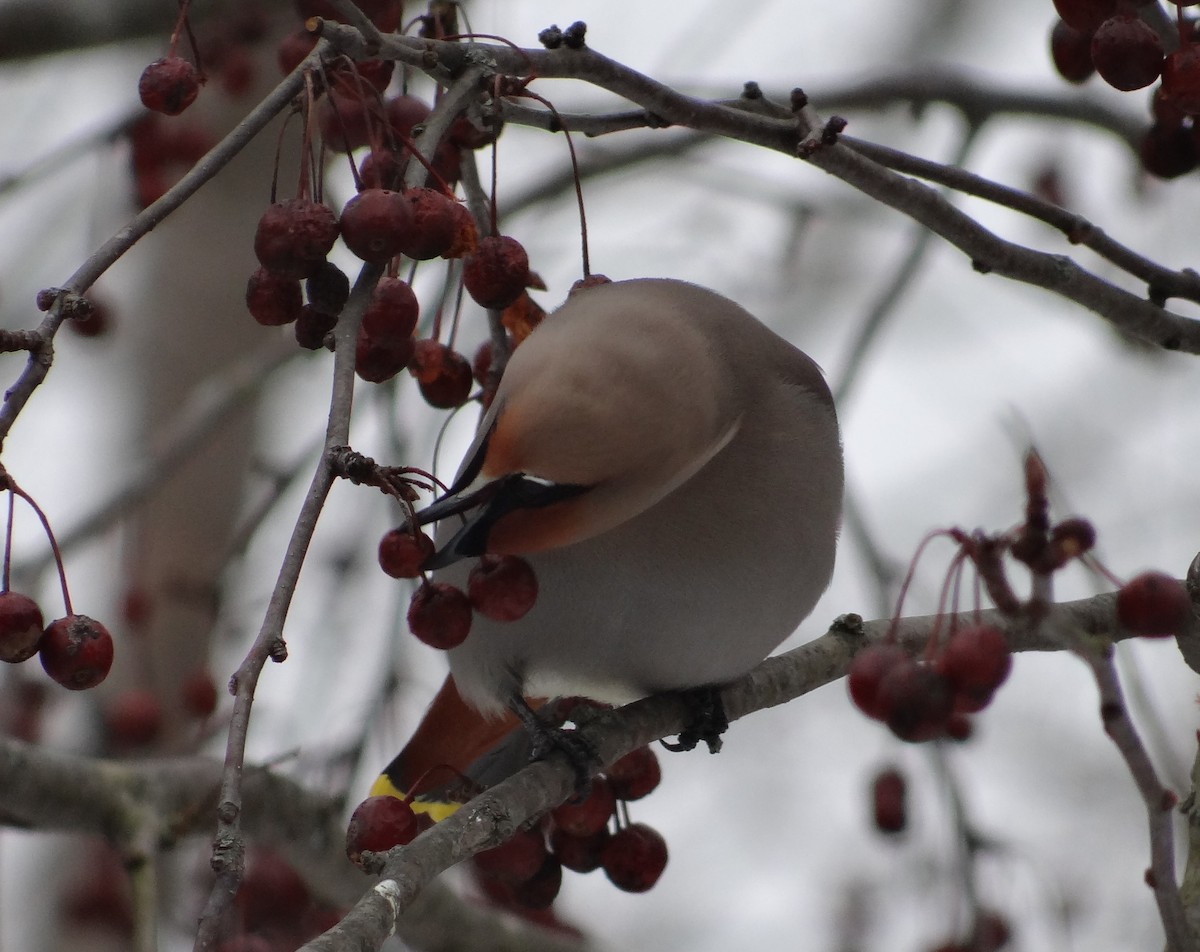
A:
[377,361]
[634,858]
[450,385]
[133,718]
[868,669]
[401,553]
[583,817]
[1085,14]
[579,853]
[76,651]
[169,85]
[392,312]
[516,860]
[1072,538]
[20,627]
[434,224]
[889,801]
[273,300]
[293,237]
[1071,50]
[918,701]
[376,223]
[635,775]
[378,824]
[466,235]
[199,693]
[976,661]
[327,288]
[311,327]
[497,272]
[439,615]
[1181,78]
[1127,53]
[502,587]
[1153,604]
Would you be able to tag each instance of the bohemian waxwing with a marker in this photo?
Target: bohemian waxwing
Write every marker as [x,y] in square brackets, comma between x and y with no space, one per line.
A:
[672,470]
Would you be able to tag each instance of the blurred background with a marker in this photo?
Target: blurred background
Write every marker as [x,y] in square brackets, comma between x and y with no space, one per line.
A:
[771,843]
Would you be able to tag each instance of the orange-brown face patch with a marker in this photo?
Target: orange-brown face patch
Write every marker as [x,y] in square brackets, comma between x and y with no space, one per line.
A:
[526,531]
[503,452]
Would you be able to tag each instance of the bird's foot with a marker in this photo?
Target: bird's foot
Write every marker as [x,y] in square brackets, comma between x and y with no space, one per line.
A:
[547,738]
[706,720]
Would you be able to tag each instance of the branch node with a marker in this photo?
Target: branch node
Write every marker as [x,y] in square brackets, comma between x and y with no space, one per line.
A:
[751,90]
[574,35]
[551,37]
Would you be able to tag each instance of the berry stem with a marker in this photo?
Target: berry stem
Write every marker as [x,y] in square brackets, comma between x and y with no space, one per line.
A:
[58,561]
[8,532]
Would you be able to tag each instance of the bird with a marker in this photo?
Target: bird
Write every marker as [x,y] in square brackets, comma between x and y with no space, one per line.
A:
[672,470]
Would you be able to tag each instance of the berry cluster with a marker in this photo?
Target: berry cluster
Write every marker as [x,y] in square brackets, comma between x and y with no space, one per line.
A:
[1109,38]
[525,872]
[76,651]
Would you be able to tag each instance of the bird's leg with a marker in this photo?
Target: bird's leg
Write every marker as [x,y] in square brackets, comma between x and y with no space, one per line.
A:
[706,720]
[546,738]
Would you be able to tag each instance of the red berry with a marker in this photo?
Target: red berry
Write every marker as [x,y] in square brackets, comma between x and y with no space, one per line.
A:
[404,113]
[377,361]
[134,718]
[579,853]
[439,615]
[1085,14]
[516,860]
[76,651]
[959,727]
[378,824]
[497,273]
[465,134]
[502,587]
[434,224]
[293,48]
[311,327]
[1181,78]
[199,693]
[888,799]
[1127,53]
[869,667]
[272,893]
[376,223]
[589,815]
[347,116]
[293,237]
[541,889]
[273,300]
[381,168]
[1153,604]
[918,701]
[94,320]
[976,661]
[448,386]
[634,858]
[1071,50]
[1168,151]
[169,85]
[392,313]
[401,553]
[20,627]
[635,775]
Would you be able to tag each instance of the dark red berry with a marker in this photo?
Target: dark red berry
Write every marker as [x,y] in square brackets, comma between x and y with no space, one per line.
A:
[381,168]
[434,224]
[133,718]
[401,553]
[404,113]
[376,223]
[502,587]
[497,273]
[976,661]
[1085,14]
[579,853]
[439,615]
[392,313]
[1072,538]
[589,815]
[273,300]
[272,893]
[293,237]
[466,235]
[94,320]
[76,651]
[959,727]
[169,85]
[378,824]
[327,288]
[312,326]
[635,775]
[1127,53]
[1181,78]
[348,115]
[1071,50]
[868,669]
[20,627]
[377,361]
[541,889]
[516,860]
[889,801]
[199,693]
[1168,152]
[634,858]
[450,385]
[1153,604]
[465,134]
[918,701]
